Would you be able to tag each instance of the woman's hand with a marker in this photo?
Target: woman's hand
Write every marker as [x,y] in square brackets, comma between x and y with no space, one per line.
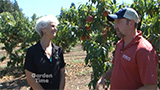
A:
[32,82]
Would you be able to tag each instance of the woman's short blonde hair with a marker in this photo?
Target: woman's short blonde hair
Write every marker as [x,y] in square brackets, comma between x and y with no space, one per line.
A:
[44,21]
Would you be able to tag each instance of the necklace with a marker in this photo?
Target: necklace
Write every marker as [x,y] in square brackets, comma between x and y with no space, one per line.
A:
[50,59]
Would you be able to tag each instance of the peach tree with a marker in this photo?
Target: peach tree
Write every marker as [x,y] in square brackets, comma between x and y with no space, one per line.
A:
[16,33]
[16,36]
[102,39]
[66,35]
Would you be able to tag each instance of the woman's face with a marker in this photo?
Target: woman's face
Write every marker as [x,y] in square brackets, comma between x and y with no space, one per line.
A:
[50,31]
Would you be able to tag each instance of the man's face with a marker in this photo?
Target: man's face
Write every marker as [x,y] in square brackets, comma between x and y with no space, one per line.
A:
[121,26]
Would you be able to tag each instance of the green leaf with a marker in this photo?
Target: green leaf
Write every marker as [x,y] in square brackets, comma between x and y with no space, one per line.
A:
[3,58]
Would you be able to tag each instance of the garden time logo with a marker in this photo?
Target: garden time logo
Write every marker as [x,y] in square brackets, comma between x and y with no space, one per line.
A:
[42,78]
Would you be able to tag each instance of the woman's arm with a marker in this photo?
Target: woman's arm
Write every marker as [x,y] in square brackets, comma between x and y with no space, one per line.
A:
[32,82]
[62,80]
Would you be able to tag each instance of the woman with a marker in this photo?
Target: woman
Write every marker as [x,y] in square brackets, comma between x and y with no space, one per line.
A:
[44,63]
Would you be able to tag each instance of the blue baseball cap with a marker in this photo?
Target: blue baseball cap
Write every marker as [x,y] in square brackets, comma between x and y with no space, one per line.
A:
[128,13]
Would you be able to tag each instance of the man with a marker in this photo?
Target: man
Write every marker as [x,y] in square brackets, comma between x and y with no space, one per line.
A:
[135,61]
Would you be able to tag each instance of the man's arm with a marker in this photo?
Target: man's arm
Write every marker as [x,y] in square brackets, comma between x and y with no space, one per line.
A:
[32,82]
[106,75]
[149,87]
[62,82]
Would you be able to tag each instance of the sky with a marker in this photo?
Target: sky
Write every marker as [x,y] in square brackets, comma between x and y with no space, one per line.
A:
[48,7]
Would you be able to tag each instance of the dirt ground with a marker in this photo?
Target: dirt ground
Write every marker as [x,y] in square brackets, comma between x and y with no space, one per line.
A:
[77,73]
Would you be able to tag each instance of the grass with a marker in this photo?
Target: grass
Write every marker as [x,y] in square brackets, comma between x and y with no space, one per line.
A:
[77,67]
[77,61]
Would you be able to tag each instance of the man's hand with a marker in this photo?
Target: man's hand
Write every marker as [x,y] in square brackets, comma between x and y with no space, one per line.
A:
[101,81]
[107,76]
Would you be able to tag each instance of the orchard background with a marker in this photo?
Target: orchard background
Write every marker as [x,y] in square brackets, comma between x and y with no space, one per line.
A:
[86,24]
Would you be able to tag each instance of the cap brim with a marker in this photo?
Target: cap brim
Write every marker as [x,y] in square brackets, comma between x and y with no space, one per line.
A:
[111,17]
